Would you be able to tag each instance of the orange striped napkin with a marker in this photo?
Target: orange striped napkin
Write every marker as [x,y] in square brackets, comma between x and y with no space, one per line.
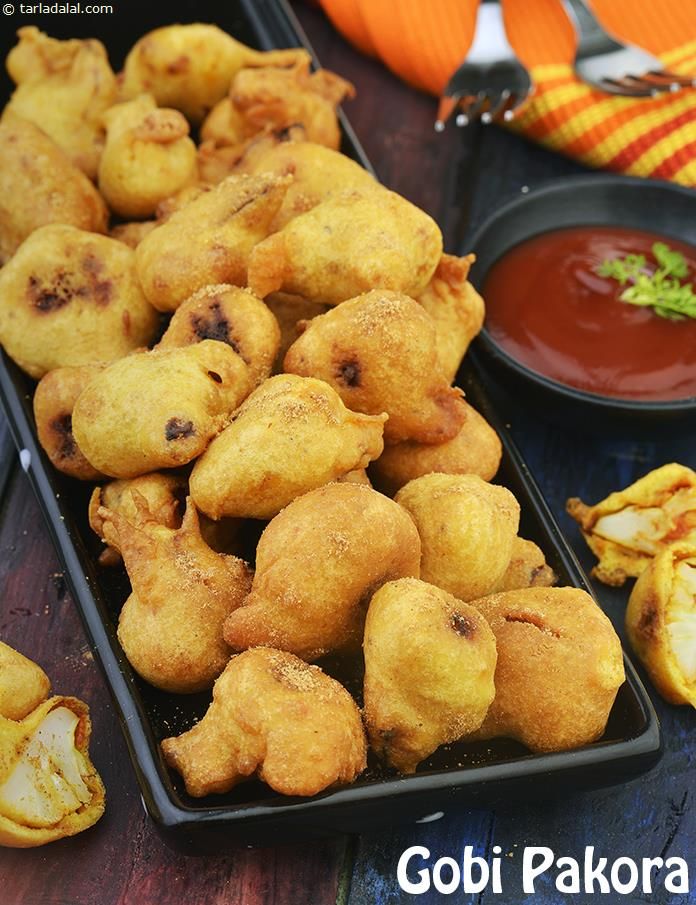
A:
[424,43]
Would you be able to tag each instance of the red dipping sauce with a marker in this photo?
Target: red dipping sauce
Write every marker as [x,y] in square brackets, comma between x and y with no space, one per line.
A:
[548,309]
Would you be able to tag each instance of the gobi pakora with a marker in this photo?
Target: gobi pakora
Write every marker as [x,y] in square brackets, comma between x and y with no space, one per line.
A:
[429,666]
[274,717]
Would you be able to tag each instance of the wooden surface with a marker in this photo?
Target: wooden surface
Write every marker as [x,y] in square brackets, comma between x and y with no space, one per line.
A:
[458,177]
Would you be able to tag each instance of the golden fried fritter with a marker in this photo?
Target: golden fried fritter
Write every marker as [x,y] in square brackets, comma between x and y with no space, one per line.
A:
[54,401]
[63,87]
[36,55]
[354,241]
[291,435]
[661,622]
[158,409]
[378,352]
[190,67]
[226,127]
[278,98]
[171,625]
[156,499]
[317,173]
[317,564]
[179,200]
[475,449]
[151,499]
[628,528]
[467,529]
[559,668]
[217,160]
[230,315]
[275,717]
[216,164]
[527,568]
[357,476]
[39,185]
[48,786]
[70,297]
[23,684]
[290,311]
[132,234]
[148,156]
[429,665]
[456,309]
[209,239]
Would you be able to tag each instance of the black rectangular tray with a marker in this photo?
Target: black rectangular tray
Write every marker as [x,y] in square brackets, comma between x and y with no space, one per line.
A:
[456,775]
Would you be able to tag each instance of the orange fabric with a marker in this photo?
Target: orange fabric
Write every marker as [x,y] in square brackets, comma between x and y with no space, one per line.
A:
[424,42]
[348,19]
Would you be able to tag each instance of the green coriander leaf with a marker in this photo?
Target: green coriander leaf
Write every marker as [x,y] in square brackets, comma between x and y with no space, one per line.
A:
[662,290]
[672,262]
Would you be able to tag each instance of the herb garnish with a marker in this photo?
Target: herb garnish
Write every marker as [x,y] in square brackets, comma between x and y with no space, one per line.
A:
[662,290]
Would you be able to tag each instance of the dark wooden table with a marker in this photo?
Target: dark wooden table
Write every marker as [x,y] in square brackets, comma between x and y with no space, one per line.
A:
[458,177]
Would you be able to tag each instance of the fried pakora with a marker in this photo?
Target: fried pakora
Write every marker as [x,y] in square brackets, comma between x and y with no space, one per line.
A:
[661,622]
[150,499]
[63,87]
[69,297]
[279,98]
[475,449]
[456,308]
[54,401]
[226,127]
[158,409]
[191,67]
[559,668]
[317,173]
[467,529]
[318,562]
[40,185]
[378,351]
[429,665]
[49,788]
[216,161]
[209,240]
[527,568]
[171,625]
[132,234]
[275,717]
[628,528]
[23,684]
[289,312]
[289,436]
[354,241]
[230,315]
[357,476]
[148,156]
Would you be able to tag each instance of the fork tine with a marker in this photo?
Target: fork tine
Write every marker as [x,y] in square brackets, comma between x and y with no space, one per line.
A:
[642,83]
[673,78]
[515,102]
[470,106]
[620,86]
[445,109]
[496,106]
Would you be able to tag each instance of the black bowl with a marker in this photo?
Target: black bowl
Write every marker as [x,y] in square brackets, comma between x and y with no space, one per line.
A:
[594,200]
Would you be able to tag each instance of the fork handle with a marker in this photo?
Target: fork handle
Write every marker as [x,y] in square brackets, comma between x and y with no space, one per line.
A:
[490,38]
[591,35]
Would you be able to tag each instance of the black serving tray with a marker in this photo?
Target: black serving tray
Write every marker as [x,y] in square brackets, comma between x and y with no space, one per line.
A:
[456,775]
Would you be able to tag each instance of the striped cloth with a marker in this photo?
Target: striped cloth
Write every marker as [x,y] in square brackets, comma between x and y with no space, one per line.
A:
[424,42]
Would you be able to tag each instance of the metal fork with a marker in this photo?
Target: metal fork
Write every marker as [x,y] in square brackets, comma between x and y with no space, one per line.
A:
[491,82]
[614,67]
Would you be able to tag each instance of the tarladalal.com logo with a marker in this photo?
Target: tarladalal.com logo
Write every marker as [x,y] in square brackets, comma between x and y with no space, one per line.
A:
[417,874]
[58,9]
